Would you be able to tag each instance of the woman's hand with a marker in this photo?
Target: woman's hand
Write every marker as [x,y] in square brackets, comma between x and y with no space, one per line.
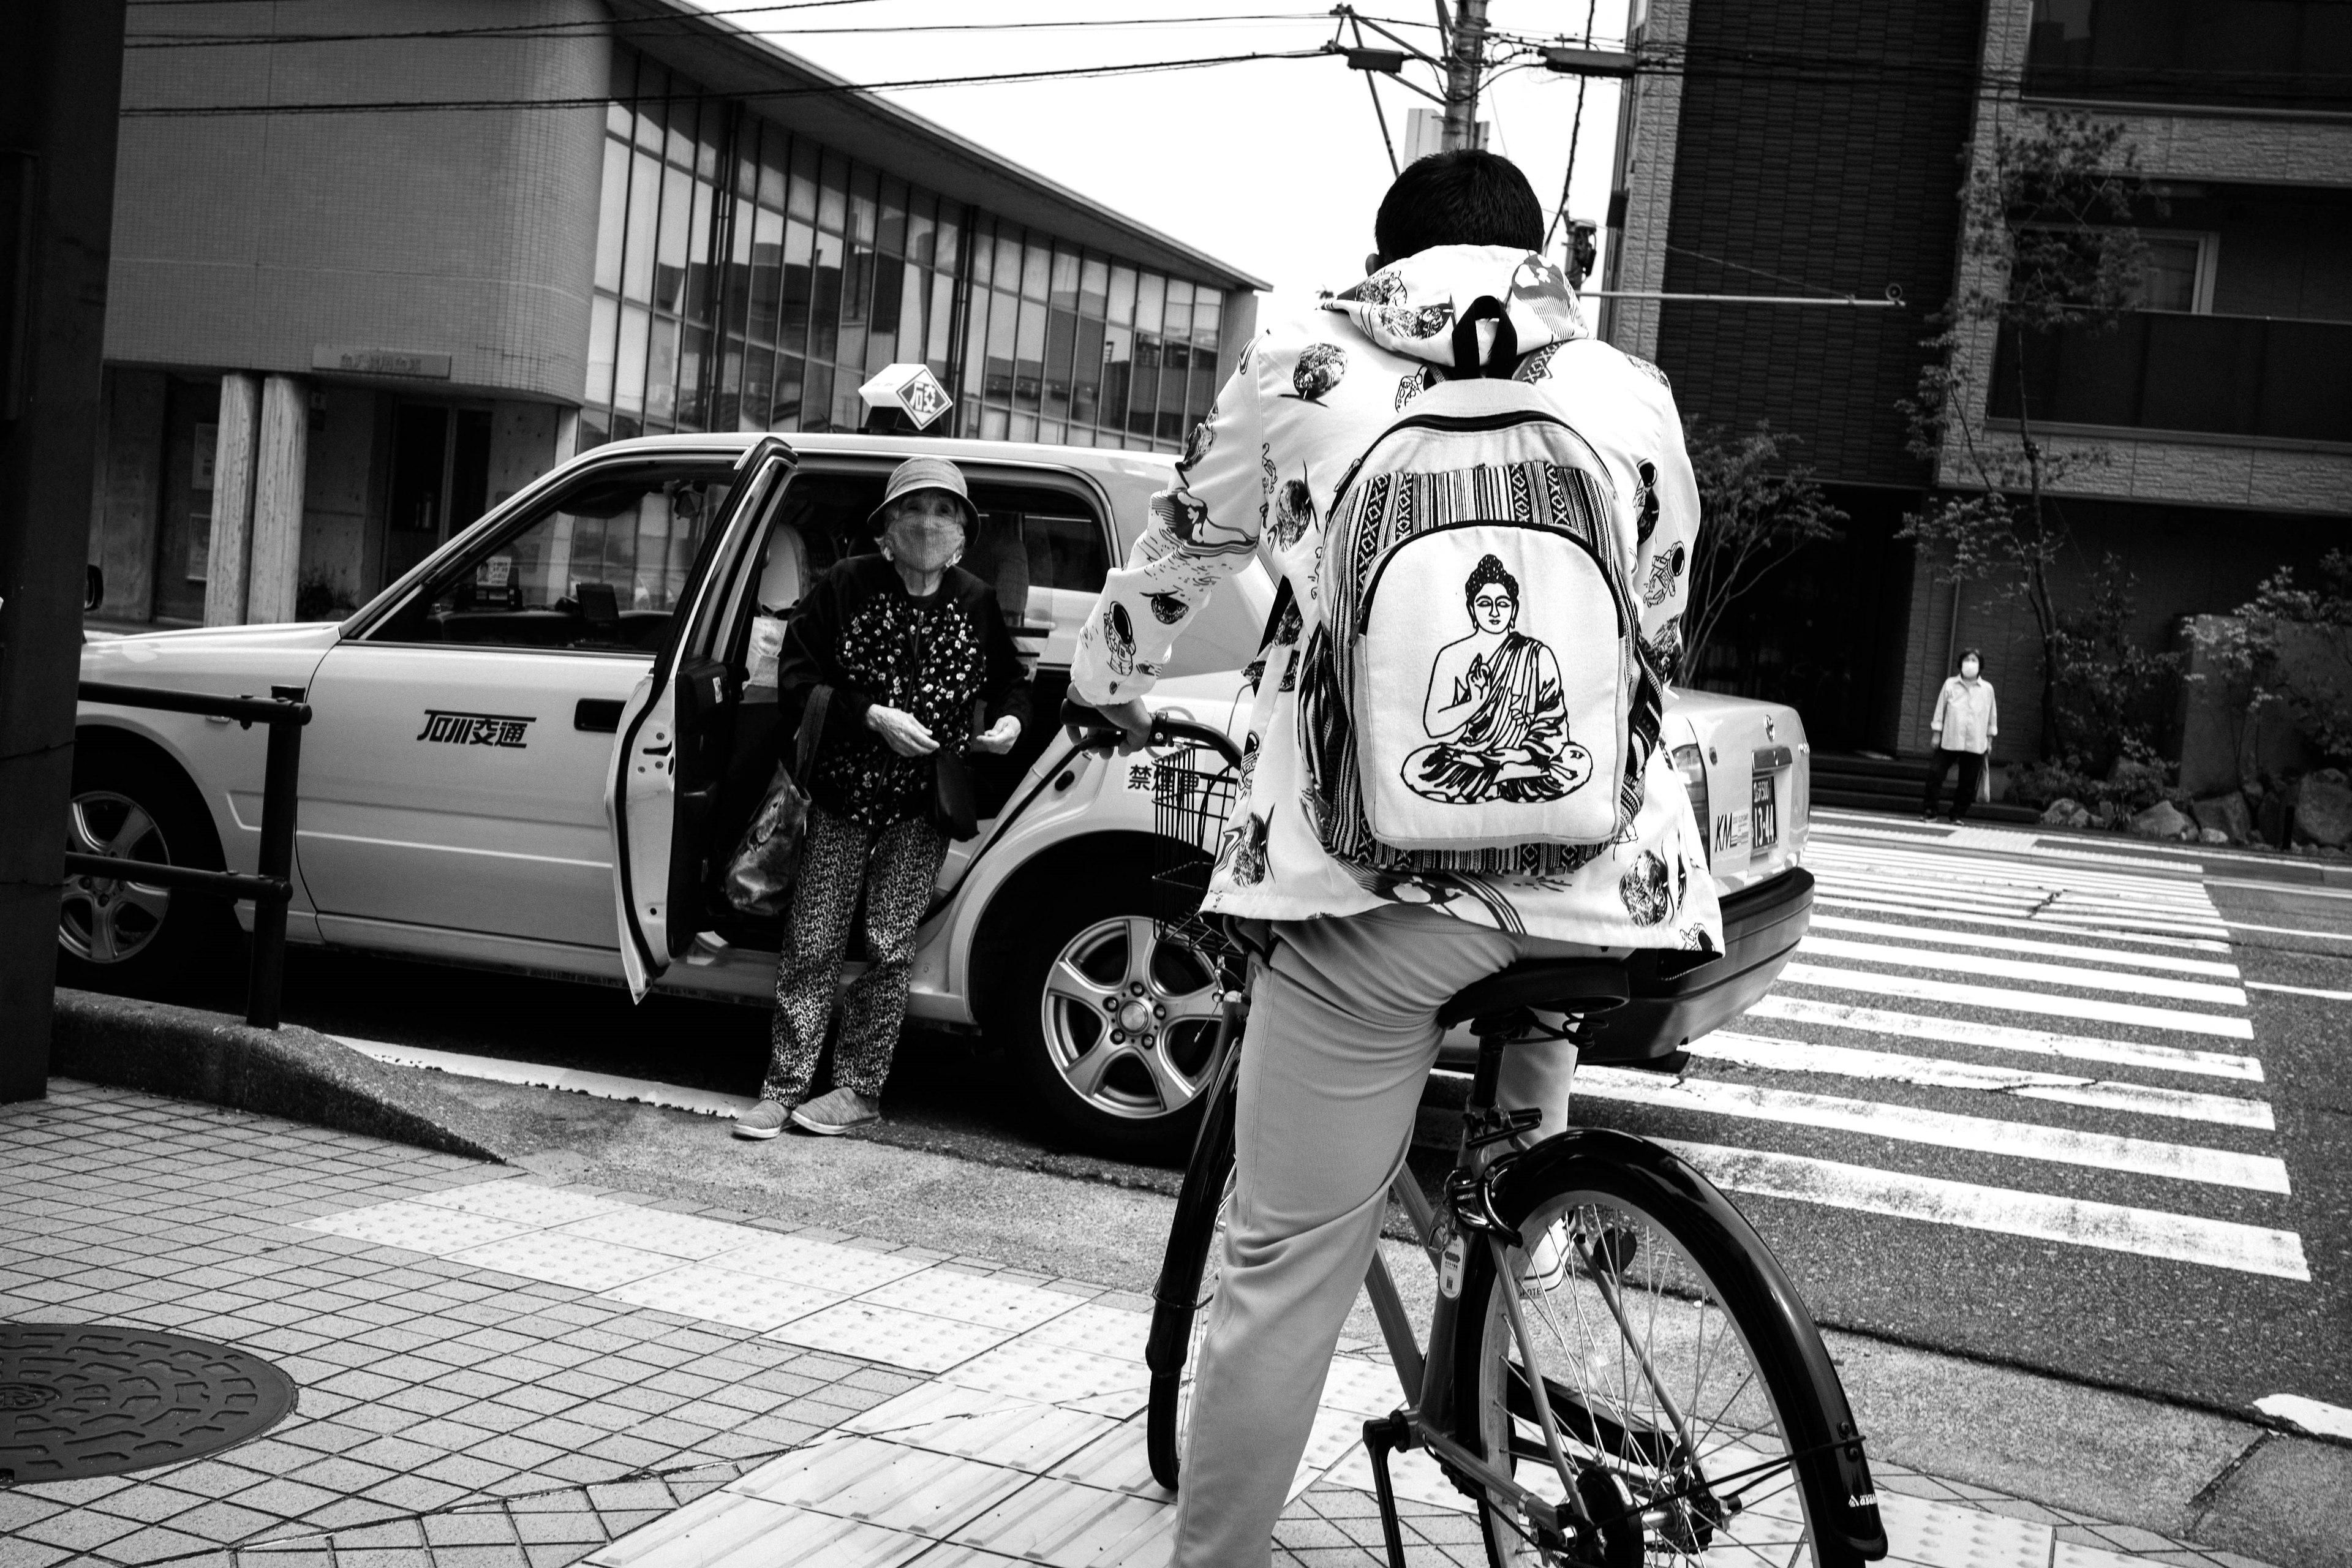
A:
[900,730]
[998,737]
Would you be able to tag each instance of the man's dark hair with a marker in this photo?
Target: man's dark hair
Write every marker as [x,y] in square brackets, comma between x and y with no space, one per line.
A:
[1462,197]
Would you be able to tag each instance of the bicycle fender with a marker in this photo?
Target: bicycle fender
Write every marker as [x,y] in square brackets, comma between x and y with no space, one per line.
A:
[1838,1468]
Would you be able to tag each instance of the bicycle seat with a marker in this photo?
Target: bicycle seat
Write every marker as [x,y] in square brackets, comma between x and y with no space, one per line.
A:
[1552,984]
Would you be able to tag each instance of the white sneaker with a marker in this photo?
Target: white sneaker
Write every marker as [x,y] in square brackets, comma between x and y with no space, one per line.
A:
[837,1113]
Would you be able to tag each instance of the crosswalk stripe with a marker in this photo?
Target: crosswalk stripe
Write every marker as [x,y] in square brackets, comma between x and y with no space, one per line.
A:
[2299,990]
[1770,1054]
[2041,1216]
[1930,907]
[2034,904]
[2003,999]
[1942,1128]
[2023,945]
[2003,1038]
[2008,869]
[2117,922]
[2022,969]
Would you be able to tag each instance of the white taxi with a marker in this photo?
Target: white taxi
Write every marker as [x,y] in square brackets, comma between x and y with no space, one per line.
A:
[534,750]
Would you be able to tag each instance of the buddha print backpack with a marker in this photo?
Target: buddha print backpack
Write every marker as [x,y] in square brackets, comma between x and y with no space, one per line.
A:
[1474,698]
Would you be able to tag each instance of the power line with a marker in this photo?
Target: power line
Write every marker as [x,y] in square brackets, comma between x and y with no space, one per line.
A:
[404,106]
[675,28]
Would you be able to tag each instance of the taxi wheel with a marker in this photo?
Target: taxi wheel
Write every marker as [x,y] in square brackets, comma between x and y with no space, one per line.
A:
[121,934]
[1114,1028]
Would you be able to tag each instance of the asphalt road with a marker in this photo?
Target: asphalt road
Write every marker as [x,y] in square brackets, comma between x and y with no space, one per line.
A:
[2021,1100]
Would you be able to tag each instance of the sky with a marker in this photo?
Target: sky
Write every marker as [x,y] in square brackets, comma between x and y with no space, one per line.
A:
[1275,167]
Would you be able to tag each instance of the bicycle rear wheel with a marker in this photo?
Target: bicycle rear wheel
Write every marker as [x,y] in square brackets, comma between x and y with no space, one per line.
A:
[1187,1282]
[1690,1393]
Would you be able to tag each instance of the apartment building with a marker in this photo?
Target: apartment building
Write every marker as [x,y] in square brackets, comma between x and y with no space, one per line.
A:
[1777,148]
[379,263]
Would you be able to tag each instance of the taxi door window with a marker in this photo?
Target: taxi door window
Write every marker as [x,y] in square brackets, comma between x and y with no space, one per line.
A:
[600,567]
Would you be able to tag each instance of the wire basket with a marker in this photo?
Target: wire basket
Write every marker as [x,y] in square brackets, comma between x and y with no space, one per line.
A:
[1192,794]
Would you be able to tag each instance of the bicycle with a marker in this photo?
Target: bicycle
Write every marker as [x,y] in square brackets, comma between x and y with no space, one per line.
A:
[1690,1412]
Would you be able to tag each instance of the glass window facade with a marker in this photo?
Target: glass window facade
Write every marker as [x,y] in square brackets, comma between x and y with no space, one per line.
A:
[748,279]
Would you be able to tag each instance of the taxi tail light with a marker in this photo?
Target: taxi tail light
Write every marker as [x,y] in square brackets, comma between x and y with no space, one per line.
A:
[1691,763]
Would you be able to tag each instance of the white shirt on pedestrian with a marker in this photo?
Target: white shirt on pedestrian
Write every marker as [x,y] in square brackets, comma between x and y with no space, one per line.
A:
[1965,716]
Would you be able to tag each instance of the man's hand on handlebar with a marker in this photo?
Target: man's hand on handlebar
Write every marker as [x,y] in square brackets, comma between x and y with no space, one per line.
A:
[1131,718]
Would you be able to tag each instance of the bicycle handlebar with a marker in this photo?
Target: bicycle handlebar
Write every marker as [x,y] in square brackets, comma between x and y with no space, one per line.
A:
[1096,732]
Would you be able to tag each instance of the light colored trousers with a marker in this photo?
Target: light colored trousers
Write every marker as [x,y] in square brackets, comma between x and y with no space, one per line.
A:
[1342,1033]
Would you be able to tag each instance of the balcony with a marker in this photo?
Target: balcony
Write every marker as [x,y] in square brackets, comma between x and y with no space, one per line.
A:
[2256,54]
[2261,376]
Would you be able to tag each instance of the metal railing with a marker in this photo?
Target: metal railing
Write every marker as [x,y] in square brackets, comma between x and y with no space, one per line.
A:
[270,888]
[2166,370]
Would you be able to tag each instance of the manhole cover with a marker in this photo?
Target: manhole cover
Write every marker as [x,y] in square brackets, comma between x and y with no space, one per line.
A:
[78,1400]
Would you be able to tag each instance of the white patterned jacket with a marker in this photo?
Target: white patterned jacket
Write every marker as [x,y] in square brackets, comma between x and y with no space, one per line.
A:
[1257,479]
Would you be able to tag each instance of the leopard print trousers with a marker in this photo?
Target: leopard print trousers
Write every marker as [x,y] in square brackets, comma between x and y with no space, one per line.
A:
[897,867]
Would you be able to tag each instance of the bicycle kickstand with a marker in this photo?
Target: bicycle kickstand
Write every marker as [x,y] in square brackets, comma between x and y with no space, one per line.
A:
[1382,1439]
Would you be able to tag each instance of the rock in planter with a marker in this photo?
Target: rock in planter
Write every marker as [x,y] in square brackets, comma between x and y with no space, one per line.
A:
[2065,813]
[2212,836]
[2322,808]
[2226,815]
[2163,820]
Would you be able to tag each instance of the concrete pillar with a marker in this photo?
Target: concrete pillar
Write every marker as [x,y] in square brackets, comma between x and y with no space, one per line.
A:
[282,463]
[239,426]
[567,434]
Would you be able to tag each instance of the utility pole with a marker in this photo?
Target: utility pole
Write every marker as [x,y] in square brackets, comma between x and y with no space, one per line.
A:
[1464,62]
[61,81]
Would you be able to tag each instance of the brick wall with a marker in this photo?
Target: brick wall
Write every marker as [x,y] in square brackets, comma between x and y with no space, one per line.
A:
[248,239]
[1820,142]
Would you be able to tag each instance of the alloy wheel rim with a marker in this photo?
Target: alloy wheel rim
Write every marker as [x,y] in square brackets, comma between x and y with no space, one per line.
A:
[111,921]
[1130,1019]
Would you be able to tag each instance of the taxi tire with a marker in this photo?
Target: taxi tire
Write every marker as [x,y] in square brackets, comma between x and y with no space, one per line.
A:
[198,932]
[1010,1016]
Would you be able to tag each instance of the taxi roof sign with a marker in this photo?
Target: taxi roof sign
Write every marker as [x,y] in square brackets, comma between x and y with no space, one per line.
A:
[910,387]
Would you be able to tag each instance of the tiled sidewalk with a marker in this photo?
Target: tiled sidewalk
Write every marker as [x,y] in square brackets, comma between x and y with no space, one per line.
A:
[495,1371]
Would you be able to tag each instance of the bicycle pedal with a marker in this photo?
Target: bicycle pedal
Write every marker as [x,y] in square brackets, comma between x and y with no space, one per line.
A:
[1481,1128]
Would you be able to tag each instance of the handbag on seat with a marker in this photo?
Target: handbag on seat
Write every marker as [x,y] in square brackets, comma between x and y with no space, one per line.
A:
[760,874]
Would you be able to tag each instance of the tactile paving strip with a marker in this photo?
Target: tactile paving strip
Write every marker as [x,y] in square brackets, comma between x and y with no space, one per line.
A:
[884,1483]
[653,1230]
[525,1203]
[562,1260]
[1030,1370]
[419,1227]
[721,1296]
[973,1299]
[911,1339]
[1942,1536]
[819,1265]
[1105,1331]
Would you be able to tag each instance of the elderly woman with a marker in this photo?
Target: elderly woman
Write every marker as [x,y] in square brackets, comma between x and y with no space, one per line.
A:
[910,646]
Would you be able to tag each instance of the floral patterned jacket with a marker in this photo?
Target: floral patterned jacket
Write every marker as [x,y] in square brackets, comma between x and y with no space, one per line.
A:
[1257,479]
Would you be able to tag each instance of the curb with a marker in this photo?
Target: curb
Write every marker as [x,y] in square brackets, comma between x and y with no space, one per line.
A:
[291,1072]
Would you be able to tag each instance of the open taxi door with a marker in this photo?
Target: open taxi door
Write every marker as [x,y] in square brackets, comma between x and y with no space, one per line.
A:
[671,752]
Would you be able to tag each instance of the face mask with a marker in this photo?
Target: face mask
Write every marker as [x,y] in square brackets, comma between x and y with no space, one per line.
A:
[1969,668]
[924,540]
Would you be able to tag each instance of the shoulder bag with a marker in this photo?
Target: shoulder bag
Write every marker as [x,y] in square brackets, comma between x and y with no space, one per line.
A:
[760,874]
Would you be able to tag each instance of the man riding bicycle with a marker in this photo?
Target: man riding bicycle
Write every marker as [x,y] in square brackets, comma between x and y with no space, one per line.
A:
[1396,731]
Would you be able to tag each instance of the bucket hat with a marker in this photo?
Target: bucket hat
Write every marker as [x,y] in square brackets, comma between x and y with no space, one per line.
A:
[926,474]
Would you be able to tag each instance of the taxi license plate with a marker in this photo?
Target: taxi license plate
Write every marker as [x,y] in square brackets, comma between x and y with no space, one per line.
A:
[1766,815]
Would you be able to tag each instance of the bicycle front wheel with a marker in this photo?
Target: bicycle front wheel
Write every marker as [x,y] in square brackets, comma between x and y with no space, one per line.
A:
[1697,1411]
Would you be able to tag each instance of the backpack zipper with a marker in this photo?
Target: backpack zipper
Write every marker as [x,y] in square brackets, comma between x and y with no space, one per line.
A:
[1458,422]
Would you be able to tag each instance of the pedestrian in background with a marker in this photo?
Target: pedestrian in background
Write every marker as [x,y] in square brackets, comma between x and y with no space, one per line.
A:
[1966,721]
[908,645]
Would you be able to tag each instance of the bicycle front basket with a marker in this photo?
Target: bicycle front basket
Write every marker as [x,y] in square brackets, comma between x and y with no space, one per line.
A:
[1192,794]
